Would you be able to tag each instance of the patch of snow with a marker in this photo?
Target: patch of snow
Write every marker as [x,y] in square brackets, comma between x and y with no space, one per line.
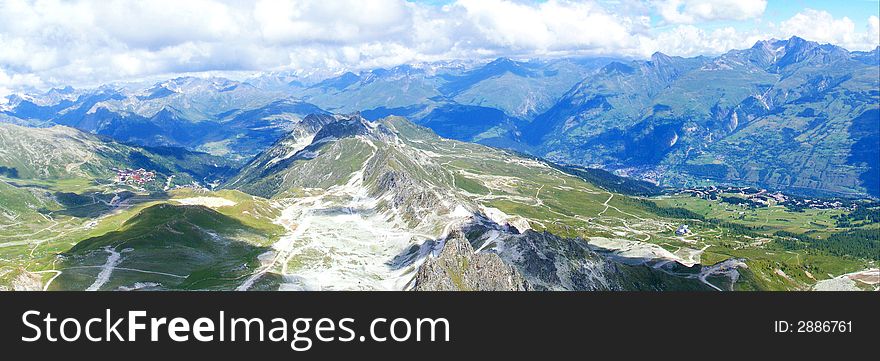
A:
[309,155]
[636,252]
[210,202]
[847,282]
[497,216]
[140,286]
[112,261]
[293,148]
[324,140]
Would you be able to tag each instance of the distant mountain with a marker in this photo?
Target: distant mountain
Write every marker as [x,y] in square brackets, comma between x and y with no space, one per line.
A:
[486,104]
[60,154]
[214,115]
[868,57]
[504,90]
[392,88]
[520,89]
[785,114]
[239,119]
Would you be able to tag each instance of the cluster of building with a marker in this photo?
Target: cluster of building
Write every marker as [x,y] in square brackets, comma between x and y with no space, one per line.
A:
[818,204]
[682,230]
[714,193]
[762,197]
[192,186]
[135,176]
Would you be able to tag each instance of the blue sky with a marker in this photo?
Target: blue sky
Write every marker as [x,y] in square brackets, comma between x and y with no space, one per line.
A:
[857,10]
[46,43]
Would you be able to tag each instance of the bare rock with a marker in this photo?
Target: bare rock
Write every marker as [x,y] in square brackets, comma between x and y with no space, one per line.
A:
[458,268]
[26,281]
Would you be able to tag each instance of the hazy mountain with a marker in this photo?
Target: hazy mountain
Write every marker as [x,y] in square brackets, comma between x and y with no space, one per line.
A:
[215,115]
[392,88]
[784,114]
[455,96]
[239,119]
[520,89]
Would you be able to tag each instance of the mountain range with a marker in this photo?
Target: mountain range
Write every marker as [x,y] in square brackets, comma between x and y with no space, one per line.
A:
[790,114]
[754,170]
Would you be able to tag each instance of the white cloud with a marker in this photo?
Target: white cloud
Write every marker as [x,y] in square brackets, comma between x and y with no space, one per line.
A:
[8,83]
[691,11]
[821,26]
[689,40]
[87,42]
[322,21]
[156,24]
[550,26]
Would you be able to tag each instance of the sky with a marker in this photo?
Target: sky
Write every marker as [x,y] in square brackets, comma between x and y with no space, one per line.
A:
[48,43]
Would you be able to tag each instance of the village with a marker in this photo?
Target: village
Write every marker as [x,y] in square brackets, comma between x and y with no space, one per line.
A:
[754,197]
[135,177]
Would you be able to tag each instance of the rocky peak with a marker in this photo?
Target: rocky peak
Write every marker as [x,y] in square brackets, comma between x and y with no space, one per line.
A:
[167,114]
[666,68]
[458,268]
[659,59]
[346,126]
[797,52]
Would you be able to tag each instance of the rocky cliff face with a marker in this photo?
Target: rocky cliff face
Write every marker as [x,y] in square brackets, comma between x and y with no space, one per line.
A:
[547,262]
[459,268]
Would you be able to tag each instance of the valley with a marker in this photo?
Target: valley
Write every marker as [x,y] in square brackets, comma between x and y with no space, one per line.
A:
[361,205]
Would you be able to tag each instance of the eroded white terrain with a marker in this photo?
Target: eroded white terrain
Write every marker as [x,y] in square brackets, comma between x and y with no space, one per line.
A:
[341,240]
